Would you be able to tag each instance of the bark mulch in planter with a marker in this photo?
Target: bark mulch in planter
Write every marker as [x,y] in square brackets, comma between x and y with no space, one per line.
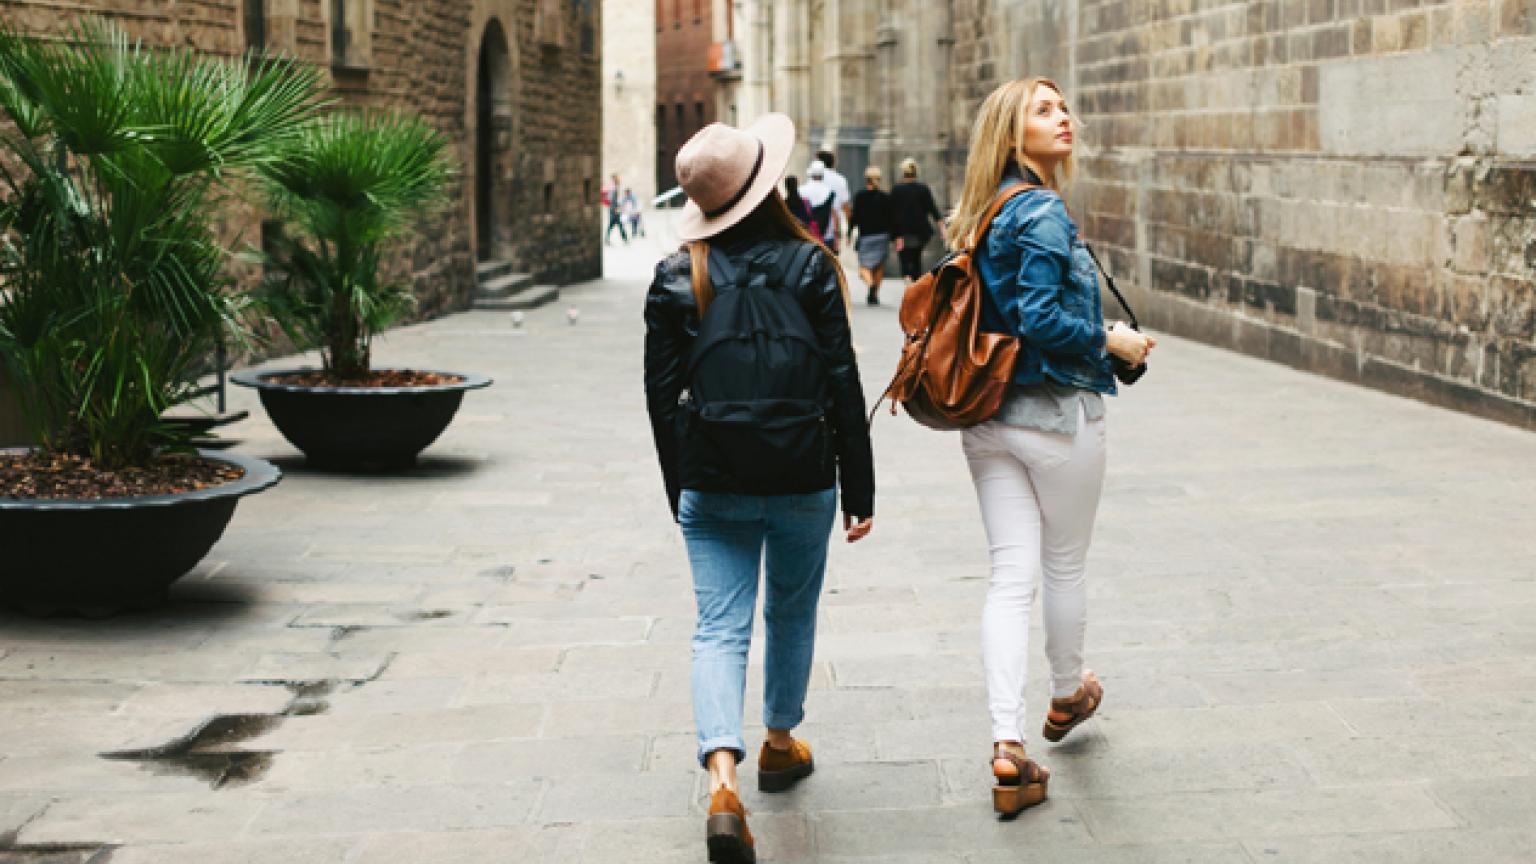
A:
[48,477]
[383,378]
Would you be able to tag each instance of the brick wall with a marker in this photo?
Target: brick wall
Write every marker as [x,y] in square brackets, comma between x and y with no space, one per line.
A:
[557,148]
[683,36]
[1348,186]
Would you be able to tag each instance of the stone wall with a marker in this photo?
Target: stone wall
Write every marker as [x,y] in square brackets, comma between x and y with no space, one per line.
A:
[1347,186]
[418,55]
[685,93]
[629,97]
[557,139]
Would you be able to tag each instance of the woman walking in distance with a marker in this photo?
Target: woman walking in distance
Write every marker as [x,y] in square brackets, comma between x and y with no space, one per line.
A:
[758,415]
[872,220]
[1038,465]
[913,203]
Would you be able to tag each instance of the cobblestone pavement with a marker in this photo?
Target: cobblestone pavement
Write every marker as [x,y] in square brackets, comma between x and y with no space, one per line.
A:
[1313,606]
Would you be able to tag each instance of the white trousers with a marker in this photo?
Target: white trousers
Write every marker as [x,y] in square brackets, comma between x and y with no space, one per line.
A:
[1039,493]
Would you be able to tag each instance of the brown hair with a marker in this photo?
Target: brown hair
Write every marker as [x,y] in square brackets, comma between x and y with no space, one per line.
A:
[997,138]
[770,220]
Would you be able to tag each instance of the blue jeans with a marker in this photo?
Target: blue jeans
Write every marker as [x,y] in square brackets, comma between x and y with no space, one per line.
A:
[728,537]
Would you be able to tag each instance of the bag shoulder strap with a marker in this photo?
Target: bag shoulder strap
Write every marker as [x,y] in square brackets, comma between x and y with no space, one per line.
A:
[722,273]
[1112,288]
[997,207]
[792,266]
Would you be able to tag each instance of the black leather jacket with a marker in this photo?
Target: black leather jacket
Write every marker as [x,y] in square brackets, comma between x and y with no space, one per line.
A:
[672,323]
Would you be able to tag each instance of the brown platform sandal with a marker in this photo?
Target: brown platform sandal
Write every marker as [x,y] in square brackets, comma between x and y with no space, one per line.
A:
[1067,714]
[1014,792]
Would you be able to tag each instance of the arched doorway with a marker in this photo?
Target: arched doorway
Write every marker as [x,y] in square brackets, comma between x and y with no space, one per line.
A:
[493,137]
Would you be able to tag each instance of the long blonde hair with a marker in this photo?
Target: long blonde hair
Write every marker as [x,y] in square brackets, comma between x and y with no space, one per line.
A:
[771,220]
[996,138]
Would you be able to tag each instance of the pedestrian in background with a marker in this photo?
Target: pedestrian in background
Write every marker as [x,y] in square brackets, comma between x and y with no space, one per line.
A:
[823,203]
[631,207]
[755,427]
[872,219]
[1038,465]
[842,199]
[796,203]
[615,213]
[916,215]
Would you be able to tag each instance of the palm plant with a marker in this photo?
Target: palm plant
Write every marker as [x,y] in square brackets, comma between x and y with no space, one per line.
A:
[351,182]
[111,286]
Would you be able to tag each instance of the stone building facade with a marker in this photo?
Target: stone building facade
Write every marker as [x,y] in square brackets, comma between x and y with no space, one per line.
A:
[510,82]
[1347,186]
[629,96]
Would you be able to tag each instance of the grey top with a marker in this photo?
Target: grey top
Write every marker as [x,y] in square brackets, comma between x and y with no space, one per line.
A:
[1049,406]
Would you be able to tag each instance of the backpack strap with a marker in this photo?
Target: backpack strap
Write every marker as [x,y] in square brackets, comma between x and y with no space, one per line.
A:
[997,206]
[792,266]
[722,273]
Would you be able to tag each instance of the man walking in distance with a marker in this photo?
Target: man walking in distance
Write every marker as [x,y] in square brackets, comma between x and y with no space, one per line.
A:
[842,197]
[615,212]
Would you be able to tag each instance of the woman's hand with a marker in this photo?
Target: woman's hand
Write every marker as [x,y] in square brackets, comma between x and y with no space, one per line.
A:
[900,244]
[857,530]
[1129,345]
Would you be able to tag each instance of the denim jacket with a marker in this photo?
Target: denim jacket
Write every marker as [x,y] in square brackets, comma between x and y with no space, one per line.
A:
[1044,288]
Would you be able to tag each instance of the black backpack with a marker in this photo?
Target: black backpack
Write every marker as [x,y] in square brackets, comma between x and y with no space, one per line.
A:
[758,390]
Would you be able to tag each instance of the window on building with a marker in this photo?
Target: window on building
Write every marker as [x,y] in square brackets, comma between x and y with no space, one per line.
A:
[549,23]
[587,27]
[698,11]
[661,125]
[677,14]
[682,124]
[255,25]
[549,197]
[586,191]
[698,115]
[351,33]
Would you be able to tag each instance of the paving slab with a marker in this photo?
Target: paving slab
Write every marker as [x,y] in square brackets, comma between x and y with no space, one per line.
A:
[1297,589]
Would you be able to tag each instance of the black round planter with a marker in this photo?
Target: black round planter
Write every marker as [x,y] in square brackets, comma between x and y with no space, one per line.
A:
[99,557]
[360,428]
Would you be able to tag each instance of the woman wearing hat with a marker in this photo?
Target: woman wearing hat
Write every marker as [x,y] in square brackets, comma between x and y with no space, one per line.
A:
[733,522]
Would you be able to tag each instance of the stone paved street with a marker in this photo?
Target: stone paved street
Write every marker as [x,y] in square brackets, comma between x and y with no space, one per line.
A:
[1313,606]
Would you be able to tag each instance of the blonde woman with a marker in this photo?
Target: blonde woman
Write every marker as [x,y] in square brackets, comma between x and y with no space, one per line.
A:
[1038,466]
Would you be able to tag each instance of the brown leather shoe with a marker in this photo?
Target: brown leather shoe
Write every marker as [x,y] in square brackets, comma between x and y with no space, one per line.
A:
[778,770]
[726,832]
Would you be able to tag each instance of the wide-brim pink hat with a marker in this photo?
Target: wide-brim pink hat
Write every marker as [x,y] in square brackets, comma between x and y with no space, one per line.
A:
[726,172]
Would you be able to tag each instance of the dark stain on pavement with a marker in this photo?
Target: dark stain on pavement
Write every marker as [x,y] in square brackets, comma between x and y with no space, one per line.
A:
[53,853]
[209,753]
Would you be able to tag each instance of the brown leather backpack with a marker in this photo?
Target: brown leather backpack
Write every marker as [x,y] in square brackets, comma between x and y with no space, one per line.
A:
[952,374]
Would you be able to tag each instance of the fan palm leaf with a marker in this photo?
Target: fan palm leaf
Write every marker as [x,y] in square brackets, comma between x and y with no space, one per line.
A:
[107,248]
[346,184]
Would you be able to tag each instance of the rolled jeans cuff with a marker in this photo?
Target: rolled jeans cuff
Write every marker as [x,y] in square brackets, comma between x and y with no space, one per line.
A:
[724,742]
[783,722]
